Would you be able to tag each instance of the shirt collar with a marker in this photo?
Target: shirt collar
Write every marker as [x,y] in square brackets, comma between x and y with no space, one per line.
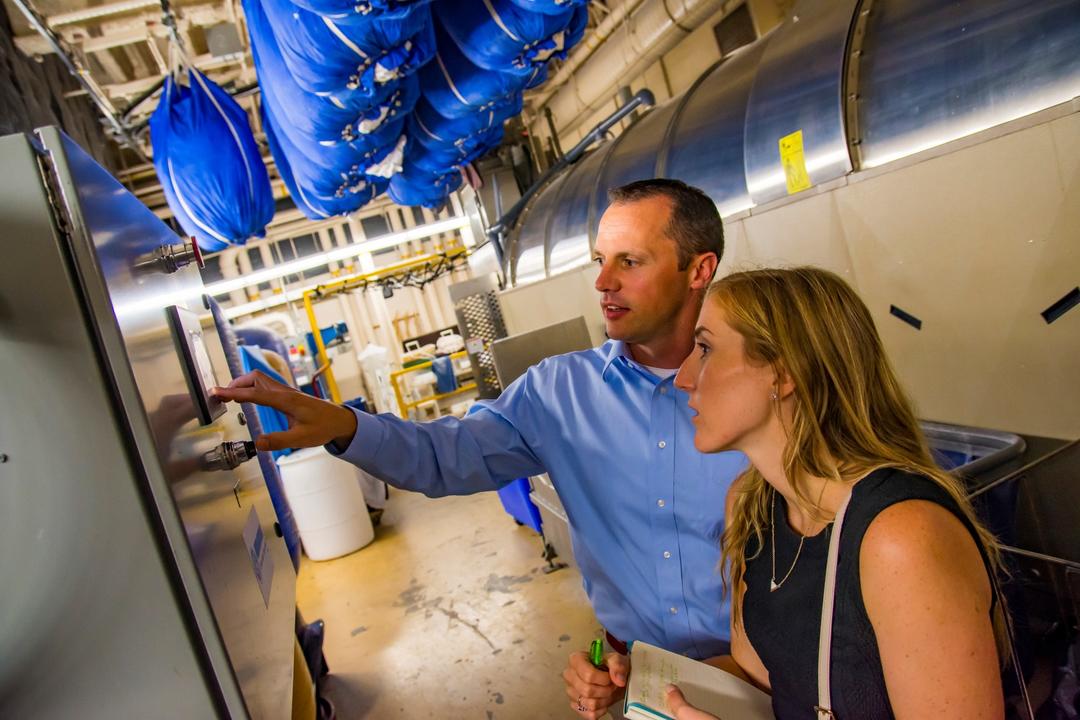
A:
[618,350]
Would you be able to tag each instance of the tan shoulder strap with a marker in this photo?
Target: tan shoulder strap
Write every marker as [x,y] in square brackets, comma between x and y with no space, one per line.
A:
[824,706]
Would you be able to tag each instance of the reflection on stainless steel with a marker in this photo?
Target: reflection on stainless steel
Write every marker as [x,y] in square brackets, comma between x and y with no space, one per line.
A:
[925,73]
[934,72]
[799,86]
[152,510]
[706,146]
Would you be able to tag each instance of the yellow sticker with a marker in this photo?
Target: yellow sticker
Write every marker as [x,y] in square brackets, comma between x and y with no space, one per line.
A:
[794,161]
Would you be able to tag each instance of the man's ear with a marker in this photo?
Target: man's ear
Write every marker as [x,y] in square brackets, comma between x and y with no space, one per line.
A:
[702,270]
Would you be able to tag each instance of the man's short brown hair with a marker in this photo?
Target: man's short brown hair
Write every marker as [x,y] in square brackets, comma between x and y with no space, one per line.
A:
[695,223]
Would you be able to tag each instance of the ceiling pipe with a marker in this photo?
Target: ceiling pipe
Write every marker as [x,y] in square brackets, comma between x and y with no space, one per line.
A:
[82,76]
[650,30]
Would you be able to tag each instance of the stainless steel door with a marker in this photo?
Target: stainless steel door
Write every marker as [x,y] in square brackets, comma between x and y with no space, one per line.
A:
[218,527]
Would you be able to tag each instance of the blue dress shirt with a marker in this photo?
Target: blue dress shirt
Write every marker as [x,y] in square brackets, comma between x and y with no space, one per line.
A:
[646,509]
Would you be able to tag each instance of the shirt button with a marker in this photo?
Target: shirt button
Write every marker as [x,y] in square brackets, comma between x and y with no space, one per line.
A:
[666,555]
[663,390]
[661,444]
[674,611]
[660,502]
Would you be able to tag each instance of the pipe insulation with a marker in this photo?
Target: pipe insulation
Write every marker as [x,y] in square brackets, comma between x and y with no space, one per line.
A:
[626,46]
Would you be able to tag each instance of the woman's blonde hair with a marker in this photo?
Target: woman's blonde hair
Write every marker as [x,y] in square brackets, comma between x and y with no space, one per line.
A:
[850,414]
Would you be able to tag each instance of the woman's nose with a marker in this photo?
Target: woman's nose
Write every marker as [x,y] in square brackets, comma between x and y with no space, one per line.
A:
[683,377]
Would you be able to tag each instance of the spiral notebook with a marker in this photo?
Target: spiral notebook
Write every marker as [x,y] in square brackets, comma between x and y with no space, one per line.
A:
[704,686]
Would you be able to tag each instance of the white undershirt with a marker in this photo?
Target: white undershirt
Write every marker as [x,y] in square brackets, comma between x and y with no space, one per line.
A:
[662,373]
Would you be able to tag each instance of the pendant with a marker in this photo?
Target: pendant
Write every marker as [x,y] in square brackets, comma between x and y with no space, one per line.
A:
[773,587]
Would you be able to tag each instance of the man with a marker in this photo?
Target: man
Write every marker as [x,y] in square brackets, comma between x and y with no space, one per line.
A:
[609,428]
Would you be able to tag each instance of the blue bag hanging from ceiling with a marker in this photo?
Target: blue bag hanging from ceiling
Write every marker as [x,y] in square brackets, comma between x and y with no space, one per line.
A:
[444,157]
[414,186]
[361,11]
[553,7]
[314,204]
[209,164]
[498,35]
[457,87]
[320,128]
[349,62]
[430,128]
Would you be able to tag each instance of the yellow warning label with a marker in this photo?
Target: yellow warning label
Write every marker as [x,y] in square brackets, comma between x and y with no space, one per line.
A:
[794,161]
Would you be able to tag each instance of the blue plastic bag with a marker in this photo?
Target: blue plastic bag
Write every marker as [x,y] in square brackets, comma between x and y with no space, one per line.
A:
[209,164]
[499,35]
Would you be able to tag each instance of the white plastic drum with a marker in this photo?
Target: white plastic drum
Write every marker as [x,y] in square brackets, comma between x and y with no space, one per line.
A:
[327,503]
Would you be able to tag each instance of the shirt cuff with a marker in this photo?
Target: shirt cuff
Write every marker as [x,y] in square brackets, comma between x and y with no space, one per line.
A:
[365,443]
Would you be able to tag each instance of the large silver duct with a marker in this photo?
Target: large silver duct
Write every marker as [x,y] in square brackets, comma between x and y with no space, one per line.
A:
[867,82]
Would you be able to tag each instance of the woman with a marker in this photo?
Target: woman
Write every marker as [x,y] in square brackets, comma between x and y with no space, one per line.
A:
[790,370]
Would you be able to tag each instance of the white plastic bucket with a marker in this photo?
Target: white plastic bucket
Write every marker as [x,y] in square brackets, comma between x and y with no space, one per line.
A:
[327,503]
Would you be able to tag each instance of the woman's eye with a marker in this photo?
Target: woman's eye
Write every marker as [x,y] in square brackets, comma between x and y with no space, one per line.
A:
[704,348]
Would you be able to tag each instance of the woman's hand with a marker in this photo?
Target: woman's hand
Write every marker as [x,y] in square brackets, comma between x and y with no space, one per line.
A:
[593,690]
[683,710]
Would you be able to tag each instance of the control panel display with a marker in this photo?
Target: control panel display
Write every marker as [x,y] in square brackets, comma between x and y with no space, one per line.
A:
[188,334]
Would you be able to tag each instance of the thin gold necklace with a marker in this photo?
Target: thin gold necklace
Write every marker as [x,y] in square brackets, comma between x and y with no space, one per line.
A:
[773,585]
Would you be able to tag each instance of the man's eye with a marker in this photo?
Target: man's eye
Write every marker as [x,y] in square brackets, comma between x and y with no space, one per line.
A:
[598,261]
[629,263]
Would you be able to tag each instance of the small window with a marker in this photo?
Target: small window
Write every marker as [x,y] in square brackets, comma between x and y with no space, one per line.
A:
[286,251]
[735,30]
[306,245]
[255,256]
[316,272]
[375,226]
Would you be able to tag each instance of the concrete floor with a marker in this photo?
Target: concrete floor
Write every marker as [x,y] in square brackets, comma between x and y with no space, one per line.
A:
[447,614]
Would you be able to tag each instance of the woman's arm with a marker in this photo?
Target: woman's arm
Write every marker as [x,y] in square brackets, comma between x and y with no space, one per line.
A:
[928,596]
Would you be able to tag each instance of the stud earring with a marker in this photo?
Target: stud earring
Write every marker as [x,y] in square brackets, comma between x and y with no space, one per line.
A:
[772,396]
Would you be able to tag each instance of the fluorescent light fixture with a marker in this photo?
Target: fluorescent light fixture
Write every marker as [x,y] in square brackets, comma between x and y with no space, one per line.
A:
[342,253]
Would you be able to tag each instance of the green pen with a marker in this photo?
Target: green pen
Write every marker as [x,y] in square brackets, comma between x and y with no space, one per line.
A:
[596,653]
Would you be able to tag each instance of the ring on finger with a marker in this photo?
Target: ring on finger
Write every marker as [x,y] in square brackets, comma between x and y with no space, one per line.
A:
[580,704]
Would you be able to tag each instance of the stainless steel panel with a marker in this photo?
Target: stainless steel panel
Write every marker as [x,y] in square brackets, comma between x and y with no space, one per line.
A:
[635,154]
[706,143]
[93,622]
[515,354]
[799,86]
[110,231]
[932,72]
[527,262]
[568,242]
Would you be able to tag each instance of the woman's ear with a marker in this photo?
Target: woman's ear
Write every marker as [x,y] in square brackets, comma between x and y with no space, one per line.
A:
[785,386]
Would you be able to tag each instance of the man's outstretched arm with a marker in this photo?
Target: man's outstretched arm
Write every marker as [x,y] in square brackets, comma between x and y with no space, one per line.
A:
[445,457]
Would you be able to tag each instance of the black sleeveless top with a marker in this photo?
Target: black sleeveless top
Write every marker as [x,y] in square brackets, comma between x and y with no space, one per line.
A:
[783,626]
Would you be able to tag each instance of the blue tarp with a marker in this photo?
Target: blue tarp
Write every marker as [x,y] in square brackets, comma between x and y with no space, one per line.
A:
[223,202]
[349,62]
[498,35]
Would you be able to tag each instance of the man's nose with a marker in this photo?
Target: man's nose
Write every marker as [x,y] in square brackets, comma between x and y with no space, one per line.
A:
[605,280]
